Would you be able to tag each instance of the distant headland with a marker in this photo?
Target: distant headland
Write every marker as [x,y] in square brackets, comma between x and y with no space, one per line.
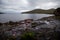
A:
[49,11]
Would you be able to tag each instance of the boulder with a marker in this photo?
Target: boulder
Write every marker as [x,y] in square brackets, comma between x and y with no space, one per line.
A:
[57,12]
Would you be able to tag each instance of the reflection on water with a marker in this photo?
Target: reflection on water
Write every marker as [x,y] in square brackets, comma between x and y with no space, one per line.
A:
[18,17]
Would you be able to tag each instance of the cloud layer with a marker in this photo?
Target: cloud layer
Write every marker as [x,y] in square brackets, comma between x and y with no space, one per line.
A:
[25,5]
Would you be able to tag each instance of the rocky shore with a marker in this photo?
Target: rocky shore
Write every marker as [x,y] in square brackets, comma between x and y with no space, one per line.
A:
[41,27]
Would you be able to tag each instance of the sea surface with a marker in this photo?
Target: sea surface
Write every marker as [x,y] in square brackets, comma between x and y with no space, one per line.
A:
[18,16]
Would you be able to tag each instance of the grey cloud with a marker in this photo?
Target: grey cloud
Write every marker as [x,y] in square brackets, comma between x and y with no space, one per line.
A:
[0,2]
[34,3]
[20,5]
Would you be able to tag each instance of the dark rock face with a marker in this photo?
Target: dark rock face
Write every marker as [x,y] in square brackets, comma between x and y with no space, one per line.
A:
[57,12]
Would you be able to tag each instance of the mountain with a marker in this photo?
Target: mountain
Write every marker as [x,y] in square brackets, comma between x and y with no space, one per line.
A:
[40,11]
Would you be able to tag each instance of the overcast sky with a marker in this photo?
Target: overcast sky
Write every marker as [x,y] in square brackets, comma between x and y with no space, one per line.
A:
[25,5]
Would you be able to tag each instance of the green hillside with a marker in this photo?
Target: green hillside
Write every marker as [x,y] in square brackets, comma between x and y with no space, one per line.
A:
[50,11]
